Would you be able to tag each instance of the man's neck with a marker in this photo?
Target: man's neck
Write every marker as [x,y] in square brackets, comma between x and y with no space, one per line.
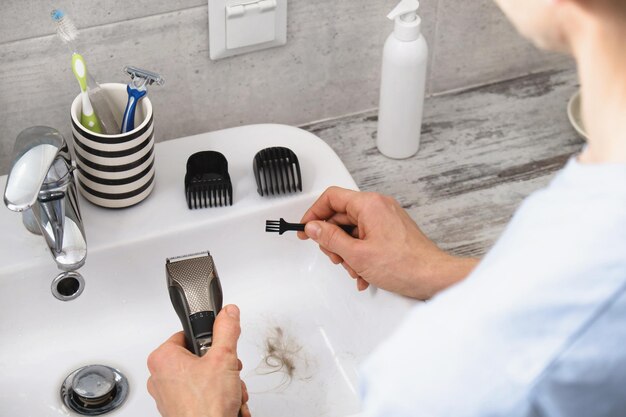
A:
[599,52]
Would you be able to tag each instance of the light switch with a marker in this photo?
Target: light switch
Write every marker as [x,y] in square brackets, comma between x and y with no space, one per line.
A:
[241,26]
[250,23]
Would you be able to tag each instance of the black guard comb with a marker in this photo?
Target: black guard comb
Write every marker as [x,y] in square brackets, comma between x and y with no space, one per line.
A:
[277,171]
[207,182]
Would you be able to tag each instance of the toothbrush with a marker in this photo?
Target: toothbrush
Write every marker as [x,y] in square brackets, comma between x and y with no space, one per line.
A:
[99,103]
[88,117]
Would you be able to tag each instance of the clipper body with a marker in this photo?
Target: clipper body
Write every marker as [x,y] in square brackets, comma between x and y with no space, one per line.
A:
[196,295]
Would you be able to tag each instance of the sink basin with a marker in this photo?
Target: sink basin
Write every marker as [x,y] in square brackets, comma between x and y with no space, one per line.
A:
[291,297]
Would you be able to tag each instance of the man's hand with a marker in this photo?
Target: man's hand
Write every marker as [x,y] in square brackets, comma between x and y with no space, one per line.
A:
[387,250]
[184,385]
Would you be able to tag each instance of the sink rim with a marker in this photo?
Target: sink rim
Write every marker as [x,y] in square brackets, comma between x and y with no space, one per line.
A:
[20,249]
[33,258]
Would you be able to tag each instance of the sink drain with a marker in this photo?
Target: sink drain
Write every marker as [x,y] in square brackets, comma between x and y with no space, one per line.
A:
[67,286]
[94,390]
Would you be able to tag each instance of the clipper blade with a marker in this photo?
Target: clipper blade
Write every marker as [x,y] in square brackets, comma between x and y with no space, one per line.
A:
[185,257]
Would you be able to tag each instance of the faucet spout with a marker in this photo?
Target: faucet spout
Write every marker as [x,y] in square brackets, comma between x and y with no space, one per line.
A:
[41,186]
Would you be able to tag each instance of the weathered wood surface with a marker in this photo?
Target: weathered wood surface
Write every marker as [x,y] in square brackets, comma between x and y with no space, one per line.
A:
[482,151]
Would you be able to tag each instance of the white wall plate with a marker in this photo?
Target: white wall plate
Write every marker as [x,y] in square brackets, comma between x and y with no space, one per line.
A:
[242,26]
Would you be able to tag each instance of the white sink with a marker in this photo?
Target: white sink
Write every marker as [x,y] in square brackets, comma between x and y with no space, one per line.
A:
[124,312]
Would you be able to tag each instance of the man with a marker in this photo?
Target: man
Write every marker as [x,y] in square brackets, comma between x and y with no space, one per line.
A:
[537,328]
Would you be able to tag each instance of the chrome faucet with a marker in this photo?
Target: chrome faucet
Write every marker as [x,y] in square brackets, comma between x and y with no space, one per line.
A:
[41,186]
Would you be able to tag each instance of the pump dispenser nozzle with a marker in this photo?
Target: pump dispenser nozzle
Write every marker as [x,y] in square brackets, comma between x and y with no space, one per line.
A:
[405,10]
[407,21]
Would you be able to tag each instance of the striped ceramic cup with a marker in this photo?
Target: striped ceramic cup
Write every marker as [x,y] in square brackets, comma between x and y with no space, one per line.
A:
[115,171]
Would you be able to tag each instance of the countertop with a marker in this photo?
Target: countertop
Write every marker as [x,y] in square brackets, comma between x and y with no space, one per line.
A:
[482,152]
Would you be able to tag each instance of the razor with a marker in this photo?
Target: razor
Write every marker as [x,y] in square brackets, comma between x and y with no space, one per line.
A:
[137,88]
[196,295]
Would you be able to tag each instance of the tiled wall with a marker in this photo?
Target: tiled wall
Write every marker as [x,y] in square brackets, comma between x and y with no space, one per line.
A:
[329,67]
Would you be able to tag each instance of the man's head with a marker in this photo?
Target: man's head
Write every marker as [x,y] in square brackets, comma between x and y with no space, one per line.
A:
[550,24]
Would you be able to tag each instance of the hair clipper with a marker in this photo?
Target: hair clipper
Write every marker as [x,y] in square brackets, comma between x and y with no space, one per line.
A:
[196,295]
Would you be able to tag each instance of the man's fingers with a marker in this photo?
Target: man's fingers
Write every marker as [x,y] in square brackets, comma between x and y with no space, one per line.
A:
[150,386]
[351,271]
[244,393]
[334,258]
[226,329]
[160,357]
[361,284]
[341,218]
[333,200]
[177,338]
[333,239]
[177,343]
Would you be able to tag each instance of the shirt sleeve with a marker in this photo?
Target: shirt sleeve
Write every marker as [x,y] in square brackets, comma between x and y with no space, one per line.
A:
[520,335]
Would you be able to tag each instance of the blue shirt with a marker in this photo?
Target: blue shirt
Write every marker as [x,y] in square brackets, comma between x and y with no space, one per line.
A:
[537,329]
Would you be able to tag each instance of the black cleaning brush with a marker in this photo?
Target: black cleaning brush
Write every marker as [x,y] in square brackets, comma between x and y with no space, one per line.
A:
[281,226]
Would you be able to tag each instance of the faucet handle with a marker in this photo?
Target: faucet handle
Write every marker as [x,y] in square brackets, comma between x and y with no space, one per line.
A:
[35,152]
[41,186]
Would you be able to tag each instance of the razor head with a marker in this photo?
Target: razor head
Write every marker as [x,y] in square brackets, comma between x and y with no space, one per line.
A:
[277,171]
[196,294]
[148,77]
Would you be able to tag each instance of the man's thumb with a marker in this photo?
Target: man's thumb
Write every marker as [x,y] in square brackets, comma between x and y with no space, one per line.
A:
[330,237]
[226,329]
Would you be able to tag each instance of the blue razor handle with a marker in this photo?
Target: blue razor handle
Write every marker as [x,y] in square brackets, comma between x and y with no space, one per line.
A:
[134,95]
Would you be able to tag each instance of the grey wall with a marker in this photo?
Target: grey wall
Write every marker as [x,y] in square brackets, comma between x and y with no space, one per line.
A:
[329,67]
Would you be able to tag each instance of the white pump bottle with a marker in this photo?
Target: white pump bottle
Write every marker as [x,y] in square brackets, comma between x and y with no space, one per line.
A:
[403,84]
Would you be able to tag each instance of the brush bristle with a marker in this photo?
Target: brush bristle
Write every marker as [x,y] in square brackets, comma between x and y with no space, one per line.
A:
[66,30]
[272,226]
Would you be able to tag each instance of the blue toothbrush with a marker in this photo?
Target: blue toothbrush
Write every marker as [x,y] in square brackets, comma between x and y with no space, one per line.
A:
[137,89]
